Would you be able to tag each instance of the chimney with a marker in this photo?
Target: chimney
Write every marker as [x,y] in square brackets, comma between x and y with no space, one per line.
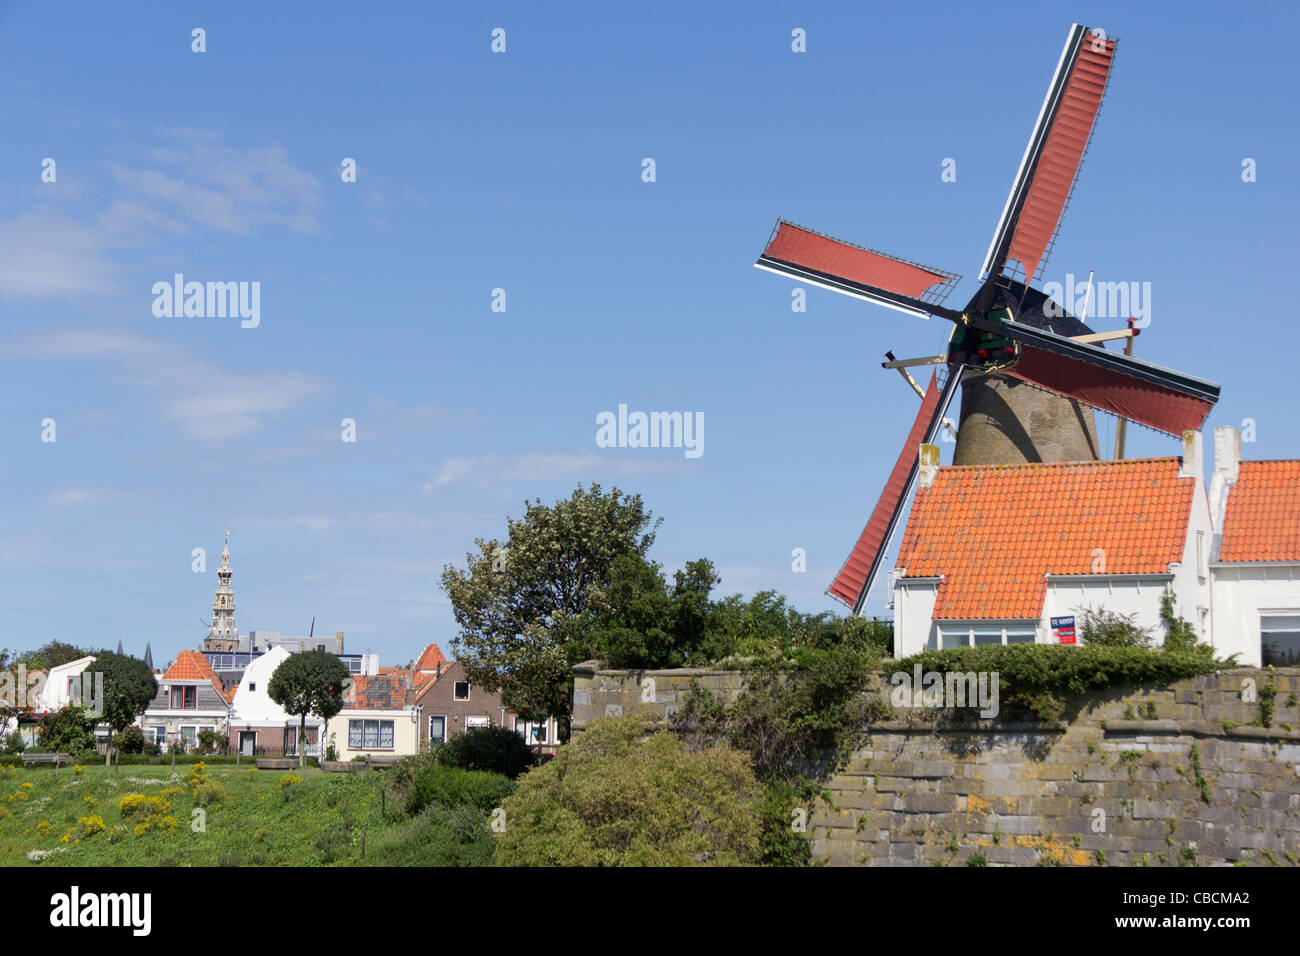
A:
[1191,461]
[929,466]
[438,673]
[1227,462]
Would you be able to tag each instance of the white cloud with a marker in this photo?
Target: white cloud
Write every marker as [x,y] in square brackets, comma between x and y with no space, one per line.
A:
[228,188]
[43,253]
[547,465]
[75,497]
[207,401]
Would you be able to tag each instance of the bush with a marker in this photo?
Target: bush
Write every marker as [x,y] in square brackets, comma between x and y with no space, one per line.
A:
[130,740]
[452,787]
[1036,679]
[67,730]
[494,749]
[13,742]
[618,795]
[1105,628]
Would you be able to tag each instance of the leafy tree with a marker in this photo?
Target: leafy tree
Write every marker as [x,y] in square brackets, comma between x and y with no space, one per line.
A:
[67,730]
[641,622]
[129,686]
[14,743]
[618,795]
[309,683]
[522,604]
[52,654]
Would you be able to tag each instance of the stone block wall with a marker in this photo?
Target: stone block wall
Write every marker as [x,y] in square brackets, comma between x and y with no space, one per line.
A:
[1190,782]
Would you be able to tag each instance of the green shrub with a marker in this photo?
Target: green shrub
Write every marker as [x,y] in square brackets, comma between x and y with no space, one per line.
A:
[13,742]
[1036,679]
[67,730]
[1106,628]
[452,787]
[494,749]
[130,740]
[618,795]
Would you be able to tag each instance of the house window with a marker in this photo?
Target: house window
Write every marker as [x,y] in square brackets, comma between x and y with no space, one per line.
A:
[955,638]
[531,732]
[190,735]
[184,698]
[252,686]
[1017,634]
[987,635]
[1279,639]
[437,730]
[460,690]
[370,735]
[1202,556]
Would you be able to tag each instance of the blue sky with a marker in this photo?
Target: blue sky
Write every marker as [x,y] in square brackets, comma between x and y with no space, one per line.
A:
[522,171]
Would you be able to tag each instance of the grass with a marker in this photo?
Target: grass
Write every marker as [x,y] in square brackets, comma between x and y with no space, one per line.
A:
[251,819]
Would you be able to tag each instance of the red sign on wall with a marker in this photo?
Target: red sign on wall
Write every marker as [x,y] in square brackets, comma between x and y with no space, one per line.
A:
[1063,629]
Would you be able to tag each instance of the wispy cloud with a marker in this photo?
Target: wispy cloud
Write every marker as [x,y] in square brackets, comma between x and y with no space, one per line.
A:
[228,404]
[75,497]
[548,465]
[227,188]
[196,186]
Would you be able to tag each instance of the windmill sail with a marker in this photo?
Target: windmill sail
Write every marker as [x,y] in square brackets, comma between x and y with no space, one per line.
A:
[855,270]
[1055,152]
[1139,391]
[853,583]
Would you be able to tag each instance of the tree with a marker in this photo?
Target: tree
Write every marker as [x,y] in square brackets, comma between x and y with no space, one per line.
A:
[52,654]
[67,730]
[618,795]
[522,605]
[129,686]
[643,623]
[309,683]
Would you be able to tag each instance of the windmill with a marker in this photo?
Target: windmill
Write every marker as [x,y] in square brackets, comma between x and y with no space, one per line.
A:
[1029,369]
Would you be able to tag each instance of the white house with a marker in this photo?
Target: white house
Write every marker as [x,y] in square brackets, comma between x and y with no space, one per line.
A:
[1256,560]
[1006,554]
[258,725]
[63,685]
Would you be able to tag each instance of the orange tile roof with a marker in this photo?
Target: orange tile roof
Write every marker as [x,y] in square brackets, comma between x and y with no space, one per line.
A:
[192,665]
[430,659]
[1262,521]
[994,532]
[378,692]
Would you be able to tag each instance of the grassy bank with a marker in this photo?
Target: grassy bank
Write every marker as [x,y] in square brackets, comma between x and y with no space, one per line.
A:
[145,816]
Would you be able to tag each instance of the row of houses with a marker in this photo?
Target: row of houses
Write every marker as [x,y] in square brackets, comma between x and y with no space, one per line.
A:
[395,712]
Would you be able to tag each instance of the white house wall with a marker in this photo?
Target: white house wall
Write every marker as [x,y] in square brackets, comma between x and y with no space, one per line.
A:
[1241,593]
[913,608]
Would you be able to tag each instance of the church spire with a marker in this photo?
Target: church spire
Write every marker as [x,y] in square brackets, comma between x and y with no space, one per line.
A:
[222,635]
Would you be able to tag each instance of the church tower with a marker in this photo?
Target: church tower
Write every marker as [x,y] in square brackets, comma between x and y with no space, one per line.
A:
[222,635]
